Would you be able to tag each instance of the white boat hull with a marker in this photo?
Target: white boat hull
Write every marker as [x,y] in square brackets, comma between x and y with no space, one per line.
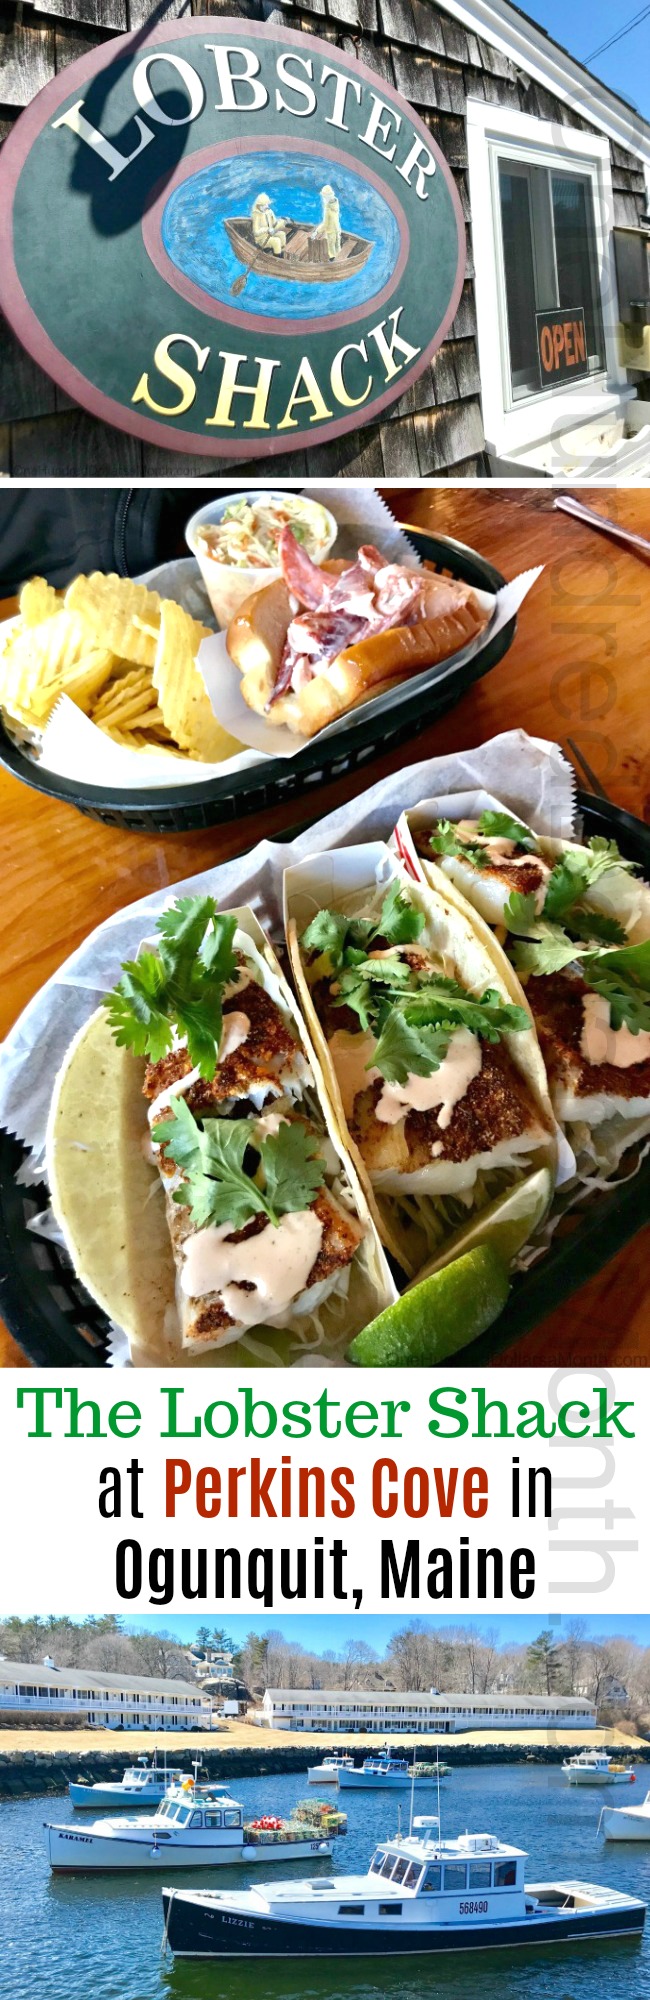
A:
[73,1852]
[617,1824]
[598,1778]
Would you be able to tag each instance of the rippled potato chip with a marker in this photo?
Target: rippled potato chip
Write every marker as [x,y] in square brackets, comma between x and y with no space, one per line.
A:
[35,663]
[183,696]
[38,600]
[120,614]
[126,657]
[85,680]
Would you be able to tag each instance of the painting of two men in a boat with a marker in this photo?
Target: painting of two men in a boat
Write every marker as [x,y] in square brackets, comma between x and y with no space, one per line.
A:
[300,251]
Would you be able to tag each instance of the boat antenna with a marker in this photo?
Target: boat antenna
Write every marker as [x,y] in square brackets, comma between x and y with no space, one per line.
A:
[438,1785]
[412,1794]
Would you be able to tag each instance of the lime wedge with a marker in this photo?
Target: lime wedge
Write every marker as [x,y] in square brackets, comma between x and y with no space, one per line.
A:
[439,1315]
[507,1222]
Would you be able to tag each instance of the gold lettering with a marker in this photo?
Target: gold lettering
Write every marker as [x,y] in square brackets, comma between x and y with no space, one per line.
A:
[259,390]
[172,372]
[396,345]
[336,375]
[312,395]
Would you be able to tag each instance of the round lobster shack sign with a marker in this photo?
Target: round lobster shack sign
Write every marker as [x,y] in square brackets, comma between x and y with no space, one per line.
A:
[227,238]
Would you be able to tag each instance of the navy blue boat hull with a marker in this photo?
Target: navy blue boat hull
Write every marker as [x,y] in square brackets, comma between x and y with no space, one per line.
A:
[204,1930]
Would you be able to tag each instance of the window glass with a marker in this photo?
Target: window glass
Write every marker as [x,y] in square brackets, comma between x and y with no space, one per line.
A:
[550,262]
[197,1819]
[480,1875]
[520,277]
[387,1864]
[390,1909]
[352,1909]
[575,252]
[455,1875]
[412,1875]
[505,1874]
[432,1877]
[399,1870]
[182,1815]
[376,1864]
[213,1819]
[232,1819]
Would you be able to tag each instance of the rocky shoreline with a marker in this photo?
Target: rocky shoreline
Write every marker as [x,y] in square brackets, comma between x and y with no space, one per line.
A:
[36,1773]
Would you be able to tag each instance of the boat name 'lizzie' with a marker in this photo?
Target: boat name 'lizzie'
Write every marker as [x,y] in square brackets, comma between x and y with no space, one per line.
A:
[356,370]
[242,89]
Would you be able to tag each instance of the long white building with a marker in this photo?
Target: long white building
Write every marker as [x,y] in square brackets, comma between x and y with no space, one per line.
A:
[419,1714]
[101,1700]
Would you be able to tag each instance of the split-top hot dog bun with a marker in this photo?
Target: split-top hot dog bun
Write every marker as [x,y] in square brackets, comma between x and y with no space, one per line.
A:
[322,639]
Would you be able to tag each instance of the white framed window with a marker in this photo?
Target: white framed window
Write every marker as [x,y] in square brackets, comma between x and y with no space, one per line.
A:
[542,215]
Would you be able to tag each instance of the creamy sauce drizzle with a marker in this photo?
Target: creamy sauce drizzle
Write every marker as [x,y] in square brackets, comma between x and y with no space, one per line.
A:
[498,849]
[445,1087]
[277,1263]
[349,1054]
[235,1029]
[600,1043]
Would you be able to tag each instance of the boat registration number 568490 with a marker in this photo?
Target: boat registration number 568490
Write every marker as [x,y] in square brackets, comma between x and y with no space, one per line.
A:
[472,1909]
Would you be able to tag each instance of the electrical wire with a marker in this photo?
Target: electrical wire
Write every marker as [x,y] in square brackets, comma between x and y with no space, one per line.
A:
[635,22]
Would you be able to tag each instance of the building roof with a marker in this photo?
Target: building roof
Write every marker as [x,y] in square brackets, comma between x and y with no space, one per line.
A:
[36,1675]
[455,1699]
[529,45]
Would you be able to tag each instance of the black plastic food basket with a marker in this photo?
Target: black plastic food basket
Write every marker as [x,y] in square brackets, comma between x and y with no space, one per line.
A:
[220,800]
[58,1325]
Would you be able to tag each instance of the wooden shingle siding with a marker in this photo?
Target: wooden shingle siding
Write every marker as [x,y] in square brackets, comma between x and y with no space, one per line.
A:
[436,427]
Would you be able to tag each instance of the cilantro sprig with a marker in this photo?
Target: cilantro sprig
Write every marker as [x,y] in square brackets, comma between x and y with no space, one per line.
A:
[621,976]
[493,825]
[178,987]
[578,870]
[231,1173]
[623,979]
[341,940]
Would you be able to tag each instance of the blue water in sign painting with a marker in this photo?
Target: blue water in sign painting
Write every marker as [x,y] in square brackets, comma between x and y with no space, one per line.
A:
[195,239]
[68,1937]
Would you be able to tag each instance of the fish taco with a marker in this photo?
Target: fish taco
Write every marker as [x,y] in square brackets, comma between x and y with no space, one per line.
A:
[435,1072]
[568,924]
[196,1172]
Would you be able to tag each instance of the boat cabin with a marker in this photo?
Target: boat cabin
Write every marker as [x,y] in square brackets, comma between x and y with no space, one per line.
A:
[477,1868]
[387,1766]
[204,1815]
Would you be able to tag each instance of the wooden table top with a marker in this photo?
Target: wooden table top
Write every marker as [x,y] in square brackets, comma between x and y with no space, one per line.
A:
[578,668]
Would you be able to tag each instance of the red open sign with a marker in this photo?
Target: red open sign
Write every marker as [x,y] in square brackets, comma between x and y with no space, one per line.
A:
[562,345]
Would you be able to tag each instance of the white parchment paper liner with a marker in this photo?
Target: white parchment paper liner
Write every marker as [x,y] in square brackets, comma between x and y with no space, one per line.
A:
[524,774]
[73,747]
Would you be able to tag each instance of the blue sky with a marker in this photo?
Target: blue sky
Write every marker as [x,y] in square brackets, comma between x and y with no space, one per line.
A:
[320,1633]
[584,25]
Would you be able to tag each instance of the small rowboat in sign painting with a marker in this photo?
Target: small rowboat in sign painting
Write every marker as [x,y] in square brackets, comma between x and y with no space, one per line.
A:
[305,259]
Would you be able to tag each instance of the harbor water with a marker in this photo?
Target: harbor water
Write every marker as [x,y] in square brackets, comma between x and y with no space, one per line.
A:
[99,1937]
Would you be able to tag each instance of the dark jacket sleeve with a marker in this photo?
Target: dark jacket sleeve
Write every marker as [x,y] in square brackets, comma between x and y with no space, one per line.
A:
[60,532]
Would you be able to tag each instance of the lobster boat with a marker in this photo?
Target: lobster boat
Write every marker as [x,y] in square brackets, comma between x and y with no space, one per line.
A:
[594,1767]
[327,1772]
[421,1895]
[386,1774]
[142,1784]
[626,1822]
[193,1831]
[304,260]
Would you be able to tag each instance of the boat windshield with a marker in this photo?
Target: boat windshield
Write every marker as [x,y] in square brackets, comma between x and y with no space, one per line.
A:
[377,1863]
